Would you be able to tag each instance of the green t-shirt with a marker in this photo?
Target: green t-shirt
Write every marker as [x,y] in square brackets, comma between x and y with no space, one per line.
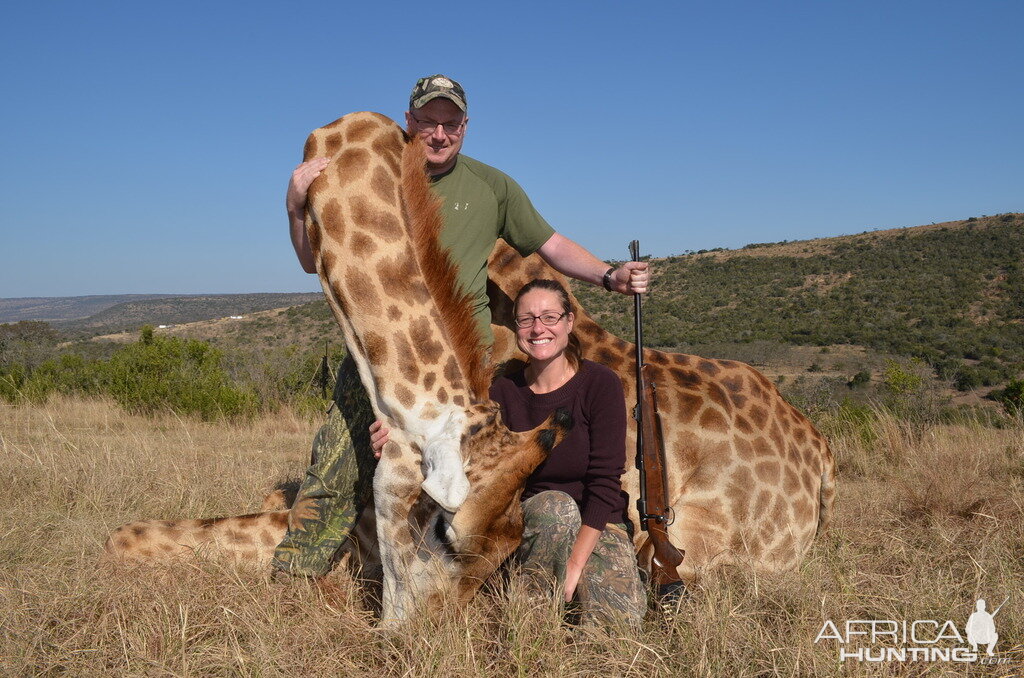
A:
[482,204]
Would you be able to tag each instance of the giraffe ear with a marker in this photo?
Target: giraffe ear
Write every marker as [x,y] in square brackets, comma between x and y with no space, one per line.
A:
[444,478]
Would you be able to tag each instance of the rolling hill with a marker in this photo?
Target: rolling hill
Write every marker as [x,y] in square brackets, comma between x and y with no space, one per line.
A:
[951,294]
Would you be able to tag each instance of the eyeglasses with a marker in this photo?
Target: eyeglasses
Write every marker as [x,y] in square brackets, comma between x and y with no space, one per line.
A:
[450,128]
[548,319]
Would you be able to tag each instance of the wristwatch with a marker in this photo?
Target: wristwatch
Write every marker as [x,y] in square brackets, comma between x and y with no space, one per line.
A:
[607,280]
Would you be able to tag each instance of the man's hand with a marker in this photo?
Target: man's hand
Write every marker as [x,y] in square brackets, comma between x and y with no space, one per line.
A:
[378,437]
[568,258]
[631,278]
[298,185]
[295,203]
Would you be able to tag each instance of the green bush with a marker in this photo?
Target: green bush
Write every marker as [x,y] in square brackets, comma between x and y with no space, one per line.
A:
[1011,397]
[902,380]
[862,378]
[168,373]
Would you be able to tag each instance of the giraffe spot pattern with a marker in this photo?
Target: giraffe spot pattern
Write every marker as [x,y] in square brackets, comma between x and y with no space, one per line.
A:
[359,287]
[383,186]
[360,131]
[376,348]
[405,396]
[689,406]
[427,347]
[762,447]
[332,144]
[385,146]
[396,275]
[659,358]
[743,425]
[768,472]
[717,395]
[708,367]
[686,378]
[362,245]
[351,165]
[332,222]
[402,345]
[791,481]
[394,313]
[377,221]
[452,373]
[713,421]
[409,369]
[608,358]
[759,416]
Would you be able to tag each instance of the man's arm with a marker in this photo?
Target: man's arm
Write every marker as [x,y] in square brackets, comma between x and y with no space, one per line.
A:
[568,258]
[295,204]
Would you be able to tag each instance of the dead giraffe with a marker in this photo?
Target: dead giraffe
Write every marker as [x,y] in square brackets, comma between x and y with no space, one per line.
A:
[373,225]
[750,479]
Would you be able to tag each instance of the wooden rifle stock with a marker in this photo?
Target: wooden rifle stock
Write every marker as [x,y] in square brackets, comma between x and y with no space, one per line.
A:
[653,505]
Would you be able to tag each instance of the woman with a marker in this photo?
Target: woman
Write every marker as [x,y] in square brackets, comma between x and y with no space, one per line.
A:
[574,509]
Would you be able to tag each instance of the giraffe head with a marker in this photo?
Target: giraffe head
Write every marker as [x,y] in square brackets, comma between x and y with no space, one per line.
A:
[456,552]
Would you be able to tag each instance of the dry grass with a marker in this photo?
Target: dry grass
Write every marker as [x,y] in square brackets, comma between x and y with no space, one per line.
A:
[928,520]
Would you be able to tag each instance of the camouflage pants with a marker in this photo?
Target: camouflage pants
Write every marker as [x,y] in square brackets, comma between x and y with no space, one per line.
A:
[610,589]
[337,485]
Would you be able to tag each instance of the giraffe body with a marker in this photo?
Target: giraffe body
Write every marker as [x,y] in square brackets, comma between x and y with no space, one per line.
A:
[750,479]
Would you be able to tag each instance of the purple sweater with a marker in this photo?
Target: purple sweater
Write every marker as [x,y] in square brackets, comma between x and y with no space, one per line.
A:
[589,462]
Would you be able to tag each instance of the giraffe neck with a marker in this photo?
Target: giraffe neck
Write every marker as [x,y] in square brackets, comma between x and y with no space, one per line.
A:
[373,227]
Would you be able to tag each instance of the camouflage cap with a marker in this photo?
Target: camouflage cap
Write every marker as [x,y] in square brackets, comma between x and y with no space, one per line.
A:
[434,86]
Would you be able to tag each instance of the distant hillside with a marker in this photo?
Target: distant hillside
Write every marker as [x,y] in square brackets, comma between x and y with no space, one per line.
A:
[951,294]
[306,325]
[181,309]
[64,308]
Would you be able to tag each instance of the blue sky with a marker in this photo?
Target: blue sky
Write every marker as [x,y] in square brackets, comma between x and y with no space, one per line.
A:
[147,146]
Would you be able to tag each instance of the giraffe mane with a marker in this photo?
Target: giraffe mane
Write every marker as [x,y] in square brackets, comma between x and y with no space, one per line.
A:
[423,214]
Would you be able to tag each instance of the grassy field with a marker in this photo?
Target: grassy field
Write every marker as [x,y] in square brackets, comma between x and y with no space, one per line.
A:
[929,518]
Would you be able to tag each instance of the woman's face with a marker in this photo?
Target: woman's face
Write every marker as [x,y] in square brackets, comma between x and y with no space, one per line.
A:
[537,340]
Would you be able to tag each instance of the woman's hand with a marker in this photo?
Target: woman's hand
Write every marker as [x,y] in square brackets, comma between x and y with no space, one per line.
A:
[378,437]
[586,540]
[573,573]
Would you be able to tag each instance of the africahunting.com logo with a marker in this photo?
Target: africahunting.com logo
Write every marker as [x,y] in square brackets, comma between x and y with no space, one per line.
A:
[921,640]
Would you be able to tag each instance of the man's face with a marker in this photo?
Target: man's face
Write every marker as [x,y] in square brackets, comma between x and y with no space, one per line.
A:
[441,126]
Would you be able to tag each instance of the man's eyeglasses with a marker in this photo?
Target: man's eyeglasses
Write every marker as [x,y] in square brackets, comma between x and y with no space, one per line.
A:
[548,319]
[450,128]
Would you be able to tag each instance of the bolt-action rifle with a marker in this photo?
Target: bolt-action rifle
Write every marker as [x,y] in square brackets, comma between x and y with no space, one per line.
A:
[655,512]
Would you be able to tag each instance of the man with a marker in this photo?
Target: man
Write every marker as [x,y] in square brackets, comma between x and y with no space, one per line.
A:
[480,205]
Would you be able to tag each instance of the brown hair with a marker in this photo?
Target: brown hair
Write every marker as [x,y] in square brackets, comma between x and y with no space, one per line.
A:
[574,351]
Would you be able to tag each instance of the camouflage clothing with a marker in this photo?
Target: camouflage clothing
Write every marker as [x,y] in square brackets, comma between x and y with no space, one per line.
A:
[337,485]
[434,86]
[610,589]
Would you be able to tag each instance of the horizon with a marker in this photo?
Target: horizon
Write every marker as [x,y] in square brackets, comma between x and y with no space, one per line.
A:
[653,257]
[150,146]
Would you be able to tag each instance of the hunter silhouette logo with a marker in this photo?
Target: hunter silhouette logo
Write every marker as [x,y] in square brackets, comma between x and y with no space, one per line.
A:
[927,640]
[981,627]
